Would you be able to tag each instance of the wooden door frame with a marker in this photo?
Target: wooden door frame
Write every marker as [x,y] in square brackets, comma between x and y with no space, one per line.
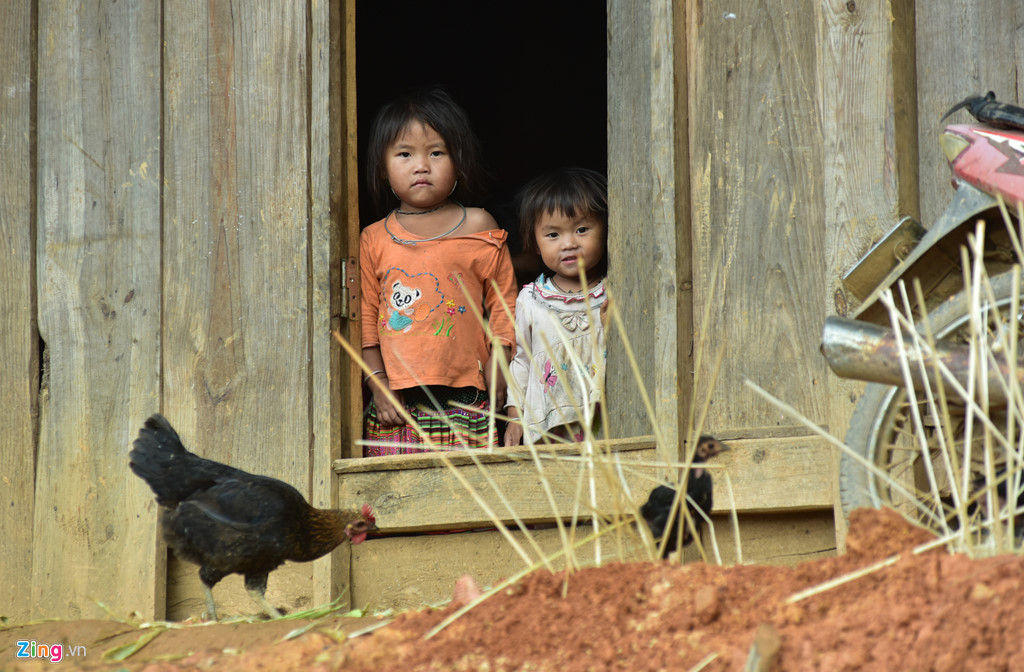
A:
[648,49]
[337,383]
[347,402]
[649,237]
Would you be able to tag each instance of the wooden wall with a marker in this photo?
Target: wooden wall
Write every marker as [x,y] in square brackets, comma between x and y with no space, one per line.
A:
[758,249]
[799,135]
[166,226]
[649,232]
[19,354]
[98,259]
[174,208]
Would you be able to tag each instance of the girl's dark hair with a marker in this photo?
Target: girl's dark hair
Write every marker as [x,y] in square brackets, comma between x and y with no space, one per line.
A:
[435,108]
[573,192]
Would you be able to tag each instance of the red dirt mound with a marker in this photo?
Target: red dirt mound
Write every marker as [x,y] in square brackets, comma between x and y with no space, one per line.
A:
[931,611]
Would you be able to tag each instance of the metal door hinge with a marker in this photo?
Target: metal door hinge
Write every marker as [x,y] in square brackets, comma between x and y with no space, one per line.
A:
[349,288]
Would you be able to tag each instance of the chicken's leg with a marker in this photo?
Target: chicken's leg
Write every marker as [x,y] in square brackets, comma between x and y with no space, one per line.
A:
[256,585]
[211,608]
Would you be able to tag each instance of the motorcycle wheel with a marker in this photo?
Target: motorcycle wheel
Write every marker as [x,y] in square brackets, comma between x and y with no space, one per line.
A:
[881,429]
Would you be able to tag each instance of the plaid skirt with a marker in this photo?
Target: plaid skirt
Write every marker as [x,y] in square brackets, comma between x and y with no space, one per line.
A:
[447,427]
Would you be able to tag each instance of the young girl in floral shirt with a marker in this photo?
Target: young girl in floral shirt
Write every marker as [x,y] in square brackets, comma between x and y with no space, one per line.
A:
[558,367]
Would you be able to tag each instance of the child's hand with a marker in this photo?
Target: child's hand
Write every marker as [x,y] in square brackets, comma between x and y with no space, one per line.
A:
[513,428]
[496,381]
[387,413]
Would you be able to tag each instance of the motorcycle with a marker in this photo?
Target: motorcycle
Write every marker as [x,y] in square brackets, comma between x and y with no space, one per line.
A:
[987,165]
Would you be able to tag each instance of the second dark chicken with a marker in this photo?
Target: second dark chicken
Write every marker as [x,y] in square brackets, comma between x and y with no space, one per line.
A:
[657,510]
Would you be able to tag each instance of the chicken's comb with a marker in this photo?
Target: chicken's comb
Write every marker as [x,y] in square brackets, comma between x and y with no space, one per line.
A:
[368,513]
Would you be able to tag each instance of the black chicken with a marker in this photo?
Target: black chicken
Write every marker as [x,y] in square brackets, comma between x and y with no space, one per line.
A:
[229,521]
[658,507]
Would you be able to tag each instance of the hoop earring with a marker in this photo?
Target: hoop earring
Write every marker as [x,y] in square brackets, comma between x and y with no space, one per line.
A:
[393,191]
[453,187]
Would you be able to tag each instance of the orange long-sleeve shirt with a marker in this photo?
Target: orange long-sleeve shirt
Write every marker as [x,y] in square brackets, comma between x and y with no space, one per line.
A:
[414,307]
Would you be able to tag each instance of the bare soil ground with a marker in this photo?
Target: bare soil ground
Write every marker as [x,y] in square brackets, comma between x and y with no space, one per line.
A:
[931,611]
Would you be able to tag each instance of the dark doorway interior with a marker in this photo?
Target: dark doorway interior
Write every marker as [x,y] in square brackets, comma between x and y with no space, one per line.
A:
[530,74]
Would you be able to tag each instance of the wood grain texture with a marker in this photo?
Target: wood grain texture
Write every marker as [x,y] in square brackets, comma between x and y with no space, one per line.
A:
[463,457]
[963,49]
[776,474]
[870,147]
[418,492]
[772,538]
[686,409]
[431,498]
[336,401]
[644,243]
[345,215]
[19,361]
[861,180]
[241,283]
[759,245]
[99,305]
[408,572]
[325,444]
[237,228]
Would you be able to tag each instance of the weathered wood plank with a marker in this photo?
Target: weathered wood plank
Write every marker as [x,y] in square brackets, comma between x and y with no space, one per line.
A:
[19,362]
[325,446]
[336,396]
[237,219]
[410,572]
[423,494]
[647,248]
[870,145]
[459,457]
[861,132]
[99,305]
[963,49]
[237,227]
[776,474]
[345,214]
[784,538]
[759,246]
[434,498]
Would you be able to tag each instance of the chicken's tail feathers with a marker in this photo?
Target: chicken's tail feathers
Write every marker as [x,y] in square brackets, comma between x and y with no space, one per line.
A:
[157,445]
[159,458]
[159,423]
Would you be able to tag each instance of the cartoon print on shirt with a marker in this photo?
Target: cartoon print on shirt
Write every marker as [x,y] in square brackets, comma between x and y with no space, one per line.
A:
[408,300]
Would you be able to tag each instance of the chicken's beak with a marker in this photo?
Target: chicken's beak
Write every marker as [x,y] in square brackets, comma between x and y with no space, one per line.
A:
[709,449]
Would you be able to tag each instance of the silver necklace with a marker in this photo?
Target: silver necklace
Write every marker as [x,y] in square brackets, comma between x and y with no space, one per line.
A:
[565,291]
[403,241]
[421,212]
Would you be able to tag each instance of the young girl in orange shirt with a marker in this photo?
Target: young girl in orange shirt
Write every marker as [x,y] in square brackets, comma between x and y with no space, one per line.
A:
[428,268]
